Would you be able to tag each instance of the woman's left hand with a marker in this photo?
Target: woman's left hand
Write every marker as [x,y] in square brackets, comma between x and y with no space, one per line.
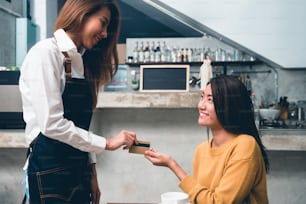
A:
[95,190]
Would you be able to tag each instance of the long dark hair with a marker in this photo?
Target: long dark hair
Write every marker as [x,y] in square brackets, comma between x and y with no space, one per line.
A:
[235,110]
[100,62]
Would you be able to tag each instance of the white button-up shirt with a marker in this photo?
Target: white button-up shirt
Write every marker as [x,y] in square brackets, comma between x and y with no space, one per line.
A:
[42,82]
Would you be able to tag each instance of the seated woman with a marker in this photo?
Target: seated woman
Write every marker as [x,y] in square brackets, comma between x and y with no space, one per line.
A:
[231,166]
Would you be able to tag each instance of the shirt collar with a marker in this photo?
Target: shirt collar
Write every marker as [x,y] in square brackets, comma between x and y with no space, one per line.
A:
[65,43]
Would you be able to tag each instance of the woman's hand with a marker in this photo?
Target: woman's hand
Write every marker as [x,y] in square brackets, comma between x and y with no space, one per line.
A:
[157,158]
[95,190]
[124,138]
[161,159]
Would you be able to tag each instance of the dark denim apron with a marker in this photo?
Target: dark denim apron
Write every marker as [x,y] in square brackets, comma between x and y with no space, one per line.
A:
[57,172]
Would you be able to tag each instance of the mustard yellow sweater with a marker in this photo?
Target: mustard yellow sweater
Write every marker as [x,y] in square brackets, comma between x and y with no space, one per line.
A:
[227,174]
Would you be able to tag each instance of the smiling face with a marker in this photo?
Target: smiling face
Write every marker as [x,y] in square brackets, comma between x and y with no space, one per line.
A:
[95,28]
[207,113]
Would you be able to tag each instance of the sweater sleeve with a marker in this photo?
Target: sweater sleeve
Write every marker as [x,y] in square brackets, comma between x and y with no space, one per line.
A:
[238,177]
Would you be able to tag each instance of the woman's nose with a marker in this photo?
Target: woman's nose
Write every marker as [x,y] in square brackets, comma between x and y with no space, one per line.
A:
[104,34]
[201,104]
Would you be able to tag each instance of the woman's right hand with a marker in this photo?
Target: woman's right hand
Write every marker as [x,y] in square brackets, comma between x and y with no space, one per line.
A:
[157,158]
[124,139]
[161,159]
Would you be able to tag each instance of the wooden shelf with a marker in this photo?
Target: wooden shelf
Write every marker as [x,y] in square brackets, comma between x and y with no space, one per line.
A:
[214,63]
[148,99]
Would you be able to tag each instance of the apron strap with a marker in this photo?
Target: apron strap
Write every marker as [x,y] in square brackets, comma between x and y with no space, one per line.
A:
[67,65]
[24,200]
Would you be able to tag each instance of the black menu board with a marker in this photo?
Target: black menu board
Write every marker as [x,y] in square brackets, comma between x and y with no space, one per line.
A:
[164,77]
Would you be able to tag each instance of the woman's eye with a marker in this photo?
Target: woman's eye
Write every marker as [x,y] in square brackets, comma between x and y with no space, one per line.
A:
[208,99]
[103,23]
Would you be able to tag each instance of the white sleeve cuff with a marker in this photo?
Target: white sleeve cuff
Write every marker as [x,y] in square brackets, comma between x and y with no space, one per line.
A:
[98,143]
[92,158]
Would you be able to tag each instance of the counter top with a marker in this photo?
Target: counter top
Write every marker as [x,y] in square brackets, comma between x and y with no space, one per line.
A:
[284,139]
[148,99]
[12,138]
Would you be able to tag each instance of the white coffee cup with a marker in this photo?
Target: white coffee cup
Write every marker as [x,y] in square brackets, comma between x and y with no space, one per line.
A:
[174,198]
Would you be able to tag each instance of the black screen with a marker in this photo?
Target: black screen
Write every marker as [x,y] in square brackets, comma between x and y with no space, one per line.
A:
[164,78]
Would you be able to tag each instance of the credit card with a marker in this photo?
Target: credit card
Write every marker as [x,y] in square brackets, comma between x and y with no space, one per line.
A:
[140,148]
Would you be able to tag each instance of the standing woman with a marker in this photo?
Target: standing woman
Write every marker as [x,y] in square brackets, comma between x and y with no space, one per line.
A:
[231,166]
[59,84]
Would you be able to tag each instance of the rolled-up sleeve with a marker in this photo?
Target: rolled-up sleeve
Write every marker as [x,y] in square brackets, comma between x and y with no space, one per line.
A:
[42,82]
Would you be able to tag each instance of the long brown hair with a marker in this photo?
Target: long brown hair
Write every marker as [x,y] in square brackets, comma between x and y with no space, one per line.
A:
[235,110]
[100,62]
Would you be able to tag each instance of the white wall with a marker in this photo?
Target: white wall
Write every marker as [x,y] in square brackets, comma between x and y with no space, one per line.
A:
[44,14]
[272,28]
[51,16]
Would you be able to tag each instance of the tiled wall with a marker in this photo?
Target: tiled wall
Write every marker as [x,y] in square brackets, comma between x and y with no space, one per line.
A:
[289,82]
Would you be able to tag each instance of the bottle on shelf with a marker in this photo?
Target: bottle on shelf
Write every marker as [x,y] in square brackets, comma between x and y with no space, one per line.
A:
[196,55]
[185,55]
[182,55]
[217,54]
[202,54]
[141,52]
[174,54]
[163,52]
[223,55]
[237,55]
[168,54]
[179,55]
[190,55]
[209,54]
[135,53]
[160,51]
[152,52]
[157,52]
[146,53]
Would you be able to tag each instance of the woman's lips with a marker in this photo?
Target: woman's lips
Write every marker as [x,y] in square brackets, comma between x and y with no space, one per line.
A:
[203,115]
[97,38]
